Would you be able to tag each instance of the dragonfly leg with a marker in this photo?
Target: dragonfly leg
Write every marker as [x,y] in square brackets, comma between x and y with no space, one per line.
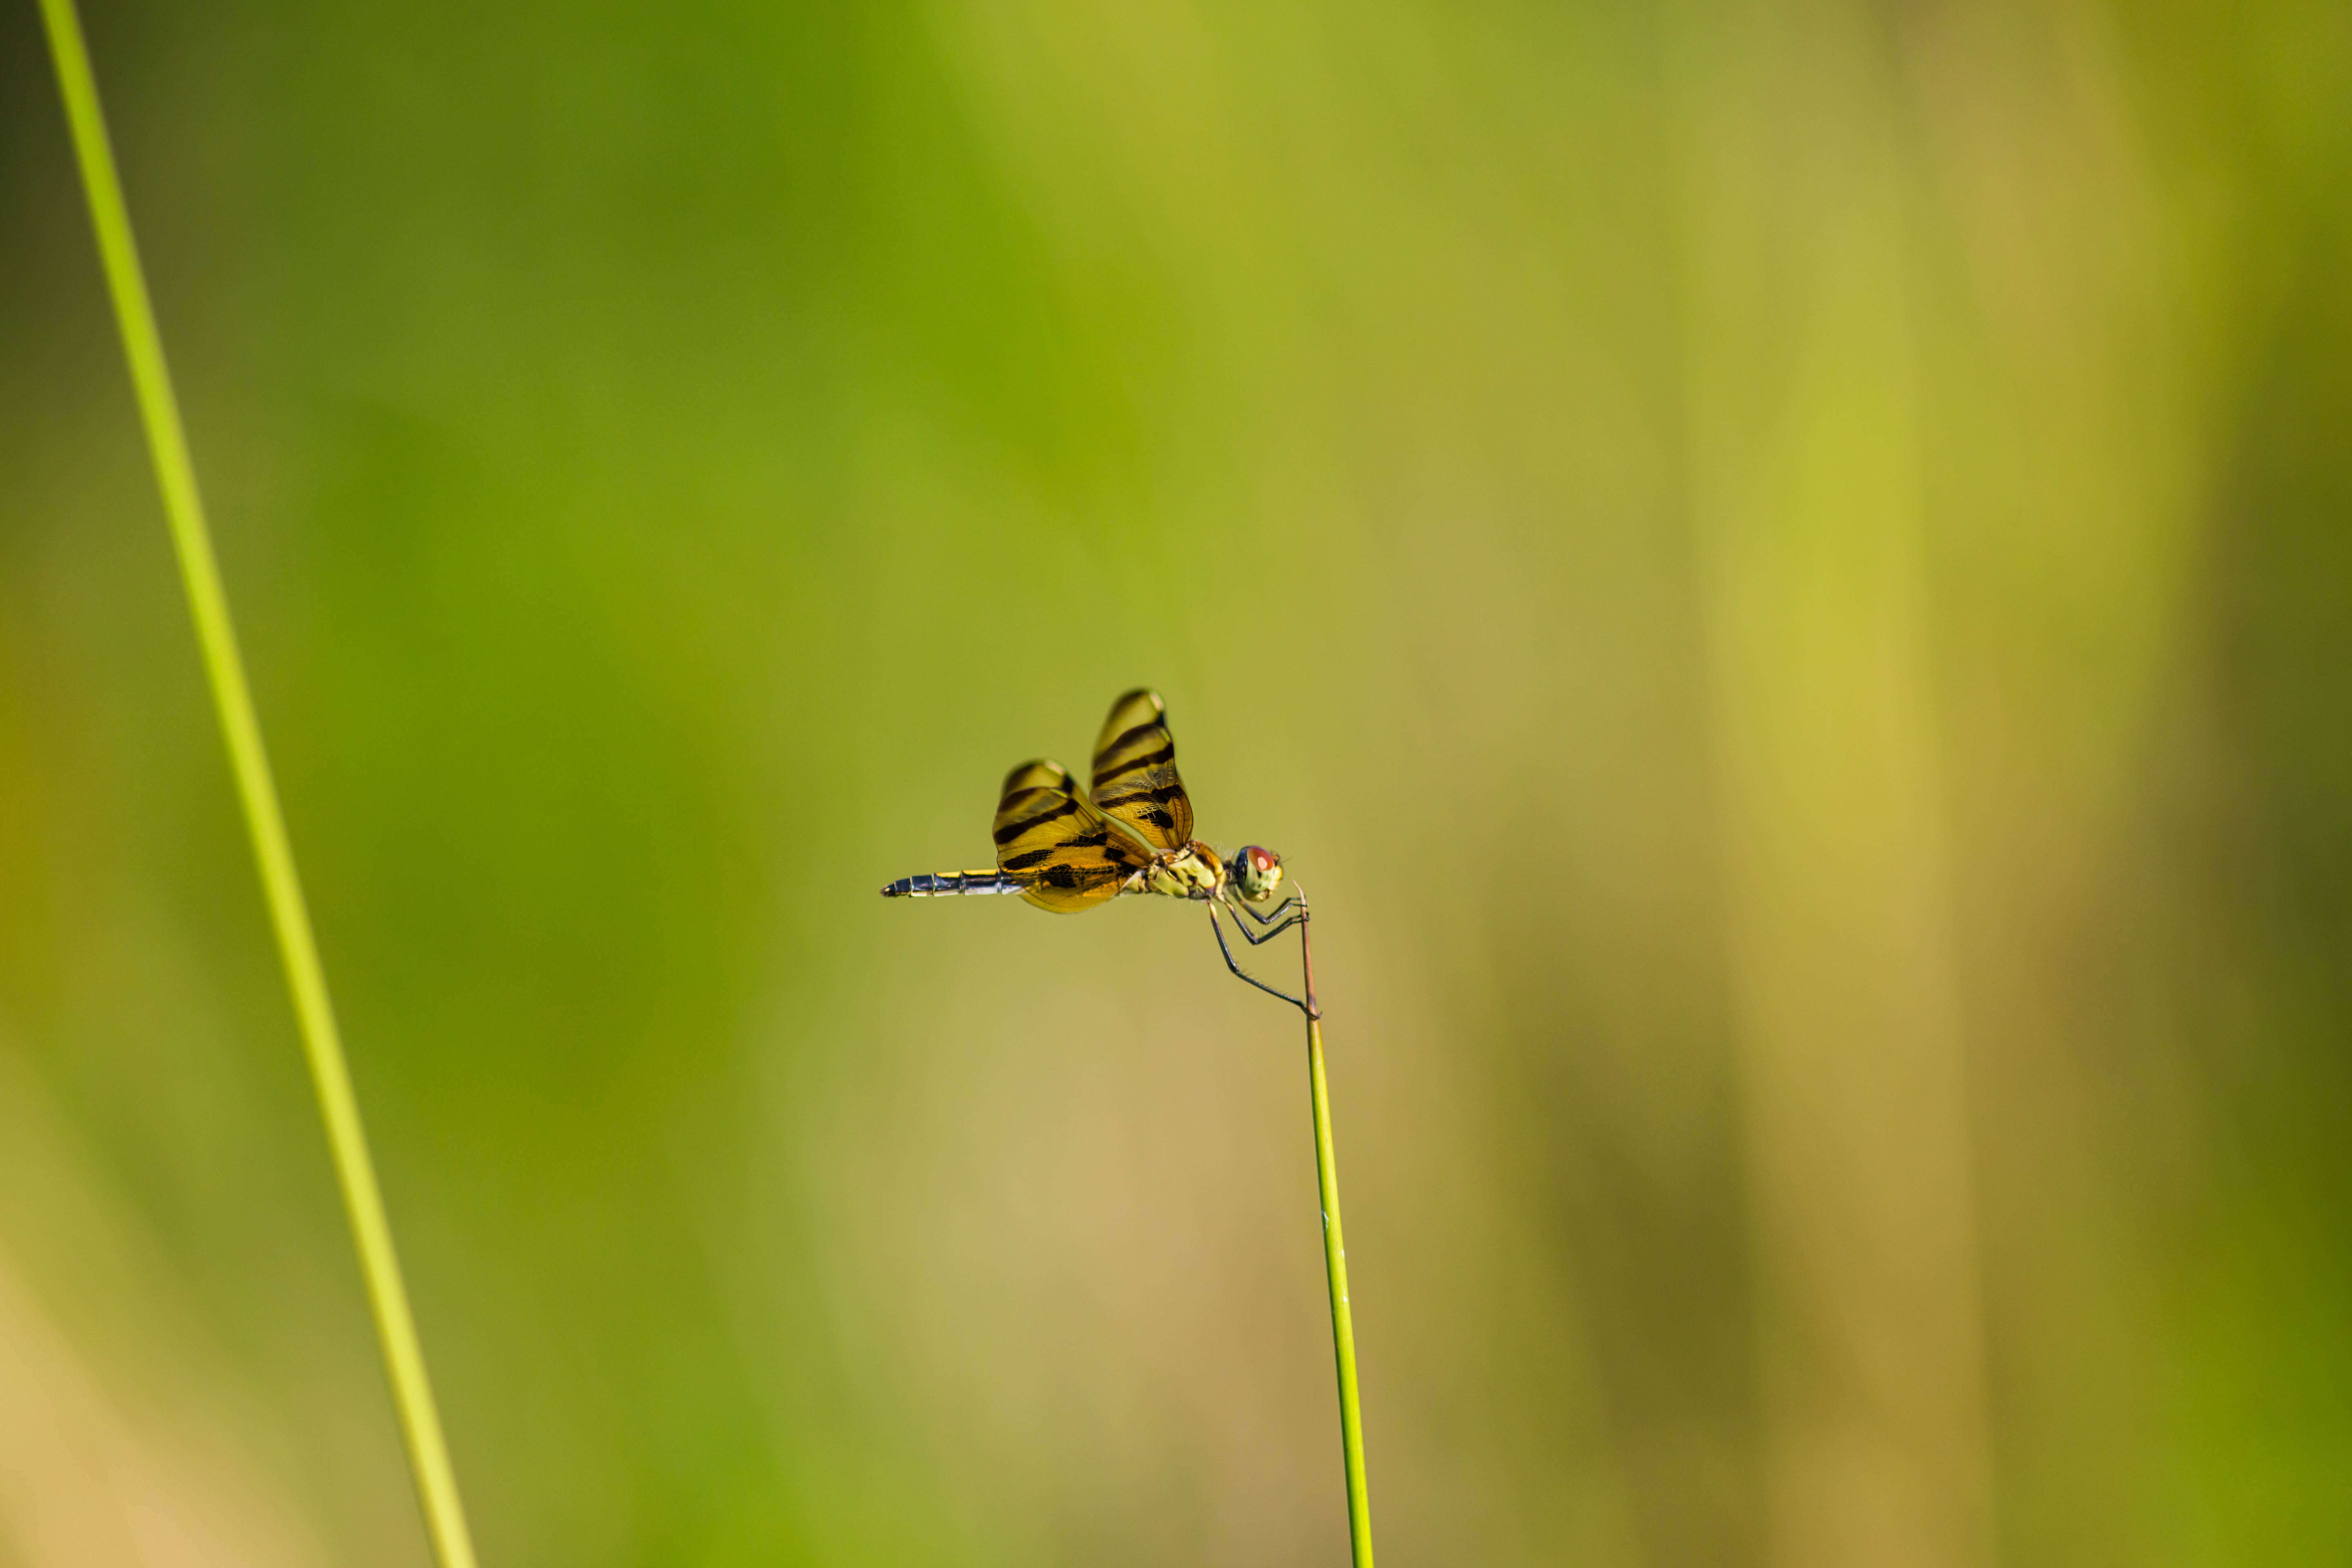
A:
[1260,938]
[1292,900]
[1218,926]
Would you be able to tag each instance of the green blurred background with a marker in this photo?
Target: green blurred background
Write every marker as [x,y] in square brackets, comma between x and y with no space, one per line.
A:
[1780,567]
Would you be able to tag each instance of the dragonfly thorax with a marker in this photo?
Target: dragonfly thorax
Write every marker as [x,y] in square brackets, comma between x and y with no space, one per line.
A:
[1192,872]
[1197,871]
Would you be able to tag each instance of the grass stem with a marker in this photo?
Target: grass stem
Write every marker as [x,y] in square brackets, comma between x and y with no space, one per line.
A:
[428,1454]
[1335,1266]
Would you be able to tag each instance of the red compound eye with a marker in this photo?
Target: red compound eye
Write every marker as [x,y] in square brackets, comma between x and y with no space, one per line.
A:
[1260,860]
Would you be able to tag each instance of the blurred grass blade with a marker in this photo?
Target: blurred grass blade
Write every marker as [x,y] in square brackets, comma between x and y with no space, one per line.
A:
[436,1483]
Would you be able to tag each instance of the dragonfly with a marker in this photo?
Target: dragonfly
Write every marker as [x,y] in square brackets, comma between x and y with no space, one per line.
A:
[1065,852]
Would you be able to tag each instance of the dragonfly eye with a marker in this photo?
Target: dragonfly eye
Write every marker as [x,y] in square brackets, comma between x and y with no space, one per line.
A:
[1257,873]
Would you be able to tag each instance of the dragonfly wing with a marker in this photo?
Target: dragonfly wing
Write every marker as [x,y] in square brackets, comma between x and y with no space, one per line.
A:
[1135,772]
[1069,854]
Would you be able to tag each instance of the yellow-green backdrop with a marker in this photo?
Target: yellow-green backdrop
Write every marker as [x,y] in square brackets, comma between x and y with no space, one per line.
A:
[1782,569]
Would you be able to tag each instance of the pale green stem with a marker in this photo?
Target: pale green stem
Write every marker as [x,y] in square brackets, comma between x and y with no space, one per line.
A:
[1343,1322]
[1335,1265]
[428,1455]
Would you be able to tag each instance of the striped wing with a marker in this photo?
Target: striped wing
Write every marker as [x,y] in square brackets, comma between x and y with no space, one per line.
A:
[1135,772]
[1071,857]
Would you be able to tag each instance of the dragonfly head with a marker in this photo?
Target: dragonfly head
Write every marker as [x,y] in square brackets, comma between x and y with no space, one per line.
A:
[1257,873]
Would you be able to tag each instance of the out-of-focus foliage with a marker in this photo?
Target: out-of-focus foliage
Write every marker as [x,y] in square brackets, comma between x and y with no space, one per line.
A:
[1780,570]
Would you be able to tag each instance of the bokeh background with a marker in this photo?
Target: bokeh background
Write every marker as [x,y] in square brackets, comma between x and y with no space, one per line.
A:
[1780,567]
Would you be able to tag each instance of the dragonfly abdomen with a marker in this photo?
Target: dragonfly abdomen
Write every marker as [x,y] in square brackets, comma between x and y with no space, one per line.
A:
[948,884]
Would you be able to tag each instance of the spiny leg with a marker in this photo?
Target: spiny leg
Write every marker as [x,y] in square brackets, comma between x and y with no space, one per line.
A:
[1291,912]
[1218,926]
[1292,900]
[1259,939]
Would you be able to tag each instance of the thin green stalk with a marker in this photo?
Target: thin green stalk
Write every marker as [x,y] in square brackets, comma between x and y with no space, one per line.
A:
[428,1455]
[1343,1322]
[1335,1265]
